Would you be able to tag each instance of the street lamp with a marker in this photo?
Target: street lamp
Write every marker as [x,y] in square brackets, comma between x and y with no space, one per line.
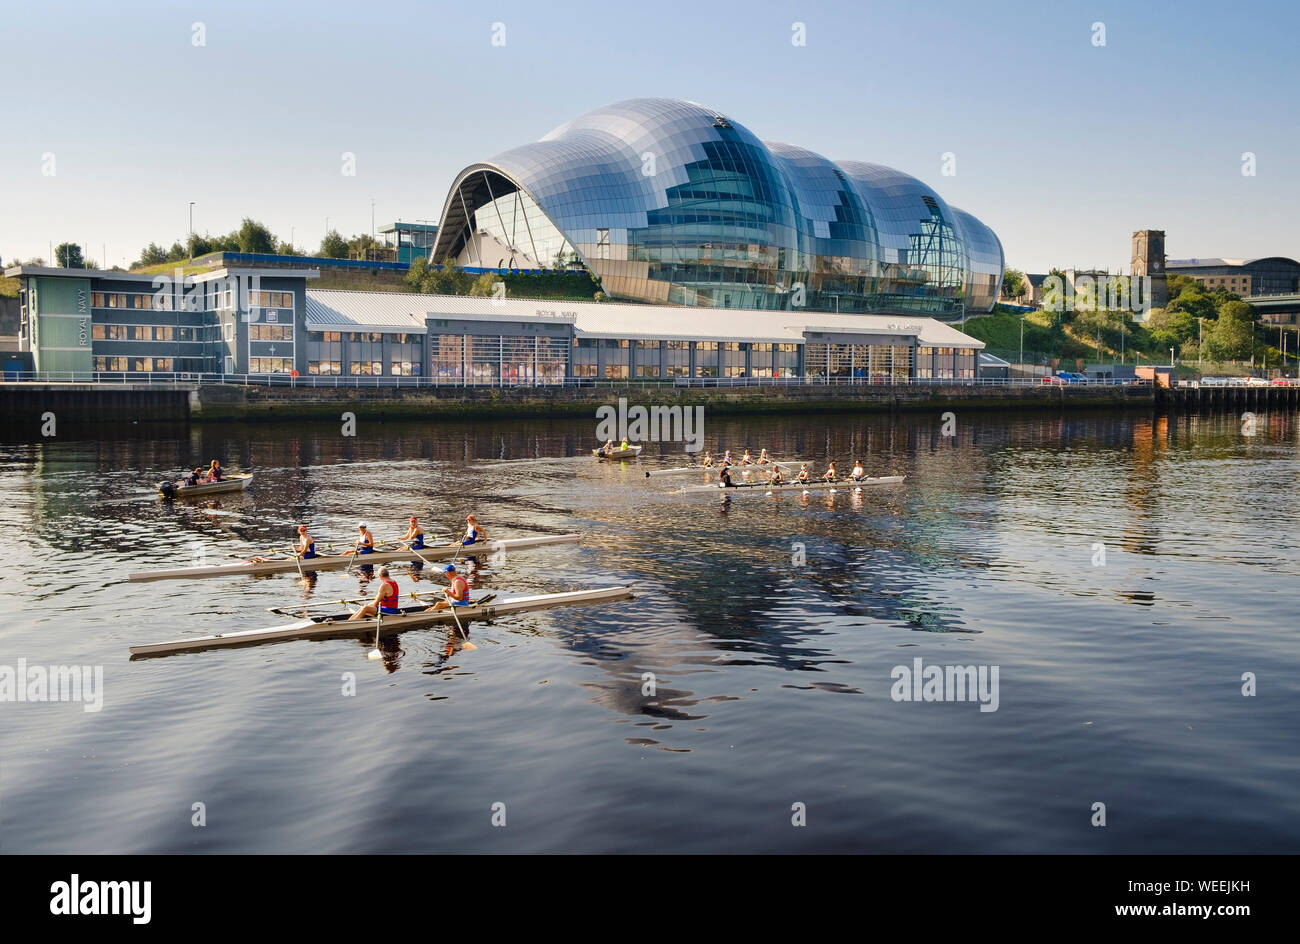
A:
[191,240]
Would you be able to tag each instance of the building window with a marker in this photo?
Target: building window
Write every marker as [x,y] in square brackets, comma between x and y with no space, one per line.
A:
[270,332]
[706,358]
[733,359]
[677,358]
[584,357]
[270,365]
[325,367]
[447,352]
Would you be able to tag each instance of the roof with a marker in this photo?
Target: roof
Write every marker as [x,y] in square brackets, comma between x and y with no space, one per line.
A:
[394,311]
[384,312]
[1206,261]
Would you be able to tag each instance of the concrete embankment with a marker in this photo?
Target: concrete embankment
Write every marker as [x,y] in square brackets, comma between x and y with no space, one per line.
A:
[24,404]
[275,403]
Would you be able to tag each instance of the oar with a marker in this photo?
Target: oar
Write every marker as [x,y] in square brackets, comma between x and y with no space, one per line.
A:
[374,653]
[290,610]
[461,629]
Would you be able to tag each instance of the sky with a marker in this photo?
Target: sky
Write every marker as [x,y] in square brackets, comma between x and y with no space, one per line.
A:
[116,117]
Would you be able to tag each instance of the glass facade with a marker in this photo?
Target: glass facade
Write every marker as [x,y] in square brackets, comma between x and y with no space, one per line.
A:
[668,201]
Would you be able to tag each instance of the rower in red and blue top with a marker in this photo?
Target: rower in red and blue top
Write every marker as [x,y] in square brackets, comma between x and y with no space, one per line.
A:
[385,602]
[414,535]
[306,547]
[473,533]
[457,591]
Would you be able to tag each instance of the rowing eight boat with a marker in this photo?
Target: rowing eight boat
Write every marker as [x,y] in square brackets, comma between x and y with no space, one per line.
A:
[411,617]
[289,565]
[233,482]
[797,486]
[734,467]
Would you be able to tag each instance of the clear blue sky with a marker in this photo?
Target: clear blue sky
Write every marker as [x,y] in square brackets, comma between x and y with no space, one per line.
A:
[1063,147]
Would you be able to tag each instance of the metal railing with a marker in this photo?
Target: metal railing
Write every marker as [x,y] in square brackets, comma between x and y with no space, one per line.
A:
[183,380]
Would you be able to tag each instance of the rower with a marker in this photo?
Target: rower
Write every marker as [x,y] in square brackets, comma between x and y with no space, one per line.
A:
[214,471]
[457,591]
[385,602]
[774,477]
[708,460]
[306,547]
[857,474]
[746,459]
[365,540]
[724,479]
[727,459]
[829,475]
[762,458]
[804,475]
[473,533]
[415,535]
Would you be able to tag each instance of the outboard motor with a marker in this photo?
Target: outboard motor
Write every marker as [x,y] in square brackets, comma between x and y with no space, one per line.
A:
[167,489]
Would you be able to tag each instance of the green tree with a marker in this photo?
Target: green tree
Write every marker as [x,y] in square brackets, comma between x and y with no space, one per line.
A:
[415,274]
[254,237]
[198,245]
[334,246]
[68,256]
[485,285]
[1233,334]
[176,253]
[152,254]
[1013,283]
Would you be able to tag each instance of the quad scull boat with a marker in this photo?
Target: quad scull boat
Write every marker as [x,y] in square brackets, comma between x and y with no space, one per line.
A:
[289,565]
[411,617]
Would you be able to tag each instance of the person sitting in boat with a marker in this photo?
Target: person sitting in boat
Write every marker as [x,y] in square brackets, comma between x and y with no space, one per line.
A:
[804,475]
[473,533]
[623,446]
[214,471]
[708,460]
[415,535]
[306,547]
[857,474]
[774,477]
[724,478]
[194,478]
[727,459]
[746,459]
[385,602]
[829,475]
[365,540]
[762,457]
[457,591]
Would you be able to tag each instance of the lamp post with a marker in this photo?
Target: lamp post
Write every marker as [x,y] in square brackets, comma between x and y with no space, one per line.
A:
[191,240]
[1020,365]
[1171,357]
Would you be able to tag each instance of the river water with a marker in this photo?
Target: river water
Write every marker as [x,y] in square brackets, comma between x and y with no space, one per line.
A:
[1120,573]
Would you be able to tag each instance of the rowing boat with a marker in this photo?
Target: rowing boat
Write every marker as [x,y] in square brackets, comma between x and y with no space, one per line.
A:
[631,452]
[233,482]
[288,565]
[849,484]
[411,617]
[679,470]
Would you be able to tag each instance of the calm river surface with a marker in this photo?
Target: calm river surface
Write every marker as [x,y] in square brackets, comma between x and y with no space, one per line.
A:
[1121,571]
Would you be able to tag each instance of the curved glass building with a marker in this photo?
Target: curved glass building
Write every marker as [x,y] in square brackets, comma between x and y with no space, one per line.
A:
[669,201]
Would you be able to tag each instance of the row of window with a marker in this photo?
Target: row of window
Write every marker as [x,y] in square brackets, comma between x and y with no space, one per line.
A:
[140,364]
[116,332]
[365,368]
[216,298]
[270,299]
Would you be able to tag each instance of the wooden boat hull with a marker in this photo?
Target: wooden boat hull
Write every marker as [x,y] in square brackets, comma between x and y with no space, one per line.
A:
[288,565]
[631,452]
[847,485]
[412,617]
[235,482]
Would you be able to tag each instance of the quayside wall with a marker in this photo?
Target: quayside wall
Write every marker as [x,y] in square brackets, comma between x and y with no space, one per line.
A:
[275,403]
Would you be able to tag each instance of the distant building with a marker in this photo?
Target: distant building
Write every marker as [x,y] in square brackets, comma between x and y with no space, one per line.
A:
[1270,275]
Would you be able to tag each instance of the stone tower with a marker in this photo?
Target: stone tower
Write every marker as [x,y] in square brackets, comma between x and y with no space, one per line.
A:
[1149,260]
